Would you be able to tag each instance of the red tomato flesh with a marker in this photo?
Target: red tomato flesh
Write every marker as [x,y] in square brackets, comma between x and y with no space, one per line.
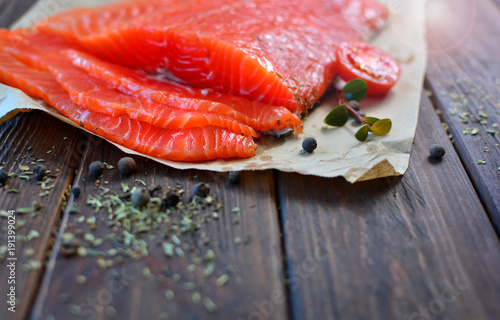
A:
[359,60]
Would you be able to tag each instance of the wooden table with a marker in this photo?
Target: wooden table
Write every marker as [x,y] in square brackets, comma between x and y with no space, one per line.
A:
[421,246]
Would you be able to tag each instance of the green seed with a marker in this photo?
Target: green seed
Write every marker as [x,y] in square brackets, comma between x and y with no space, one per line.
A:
[169,294]
[188,286]
[196,298]
[110,311]
[209,305]
[222,280]
[209,270]
[81,279]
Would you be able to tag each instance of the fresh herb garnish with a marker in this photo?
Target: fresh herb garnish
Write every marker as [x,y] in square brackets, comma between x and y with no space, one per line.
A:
[355,90]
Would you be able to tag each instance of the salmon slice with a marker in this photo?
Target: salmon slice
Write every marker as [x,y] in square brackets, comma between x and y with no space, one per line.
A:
[194,144]
[261,117]
[97,95]
[243,112]
[279,52]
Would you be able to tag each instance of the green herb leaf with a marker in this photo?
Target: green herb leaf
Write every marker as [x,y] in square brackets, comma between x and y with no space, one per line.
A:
[362,133]
[382,127]
[370,120]
[338,116]
[355,90]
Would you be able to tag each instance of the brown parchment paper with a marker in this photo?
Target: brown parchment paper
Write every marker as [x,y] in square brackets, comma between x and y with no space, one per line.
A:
[338,152]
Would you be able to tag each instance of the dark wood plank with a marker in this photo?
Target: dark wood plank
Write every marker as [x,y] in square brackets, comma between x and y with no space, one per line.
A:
[26,139]
[414,247]
[464,74]
[10,10]
[257,264]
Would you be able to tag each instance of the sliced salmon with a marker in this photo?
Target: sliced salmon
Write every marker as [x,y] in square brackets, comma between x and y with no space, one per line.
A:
[261,117]
[95,94]
[194,144]
[235,113]
[279,52]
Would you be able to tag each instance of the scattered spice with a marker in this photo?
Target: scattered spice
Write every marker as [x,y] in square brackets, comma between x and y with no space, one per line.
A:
[110,311]
[234,177]
[437,151]
[35,206]
[162,217]
[76,191]
[96,169]
[222,280]
[171,200]
[40,172]
[169,294]
[188,286]
[3,177]
[140,197]
[127,166]
[63,297]
[196,298]
[81,279]
[201,190]
[309,144]
[209,305]
[209,270]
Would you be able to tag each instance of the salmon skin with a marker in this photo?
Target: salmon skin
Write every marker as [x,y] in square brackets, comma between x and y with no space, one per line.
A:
[193,144]
[279,52]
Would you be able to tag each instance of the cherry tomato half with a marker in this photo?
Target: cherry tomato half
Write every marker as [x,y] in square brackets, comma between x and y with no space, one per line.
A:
[358,60]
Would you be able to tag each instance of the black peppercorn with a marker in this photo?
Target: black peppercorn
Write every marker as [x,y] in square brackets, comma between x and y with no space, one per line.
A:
[127,165]
[436,151]
[40,172]
[3,177]
[234,177]
[201,190]
[309,144]
[96,169]
[76,191]
[171,200]
[140,197]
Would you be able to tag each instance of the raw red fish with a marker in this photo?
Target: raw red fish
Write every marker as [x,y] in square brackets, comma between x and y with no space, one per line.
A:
[195,144]
[279,52]
[261,117]
[235,113]
[97,95]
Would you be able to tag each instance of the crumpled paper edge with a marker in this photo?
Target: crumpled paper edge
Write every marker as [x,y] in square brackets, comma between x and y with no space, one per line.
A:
[376,158]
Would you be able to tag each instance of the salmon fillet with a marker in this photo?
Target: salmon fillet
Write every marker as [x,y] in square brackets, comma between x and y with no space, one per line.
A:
[98,96]
[279,52]
[194,144]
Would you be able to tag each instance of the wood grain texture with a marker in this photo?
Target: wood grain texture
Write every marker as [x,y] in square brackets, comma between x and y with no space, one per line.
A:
[11,10]
[258,265]
[413,247]
[464,75]
[24,142]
